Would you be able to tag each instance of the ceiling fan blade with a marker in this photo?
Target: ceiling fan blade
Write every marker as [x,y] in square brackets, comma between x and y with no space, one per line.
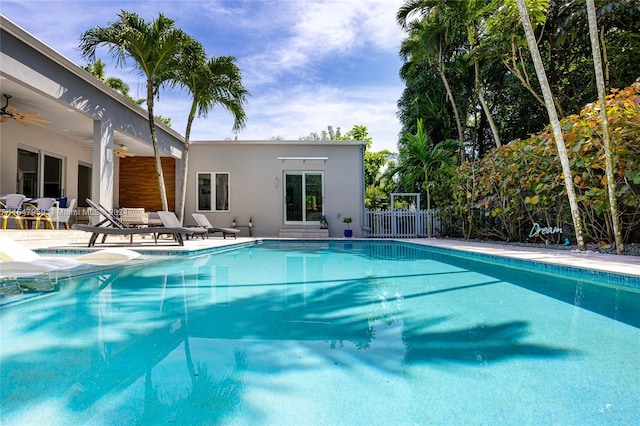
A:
[10,109]
[21,121]
[123,154]
[3,119]
[39,122]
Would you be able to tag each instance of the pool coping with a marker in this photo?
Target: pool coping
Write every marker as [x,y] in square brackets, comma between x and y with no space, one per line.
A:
[588,263]
[612,270]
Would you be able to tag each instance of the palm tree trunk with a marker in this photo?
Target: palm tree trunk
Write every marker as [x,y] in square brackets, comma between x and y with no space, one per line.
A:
[429,217]
[555,122]
[611,187]
[185,167]
[485,107]
[452,101]
[156,150]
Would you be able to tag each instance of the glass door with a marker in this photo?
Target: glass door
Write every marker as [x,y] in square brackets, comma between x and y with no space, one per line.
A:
[28,168]
[52,172]
[84,184]
[304,197]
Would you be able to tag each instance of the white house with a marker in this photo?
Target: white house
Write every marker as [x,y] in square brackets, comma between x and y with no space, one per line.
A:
[285,186]
[97,145]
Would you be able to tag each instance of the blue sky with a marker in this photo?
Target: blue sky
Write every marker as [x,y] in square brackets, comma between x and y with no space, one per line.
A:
[307,63]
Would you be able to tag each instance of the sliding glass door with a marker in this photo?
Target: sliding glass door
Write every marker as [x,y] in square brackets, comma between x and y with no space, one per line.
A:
[39,175]
[304,197]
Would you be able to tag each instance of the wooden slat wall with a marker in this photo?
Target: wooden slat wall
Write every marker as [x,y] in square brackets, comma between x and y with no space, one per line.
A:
[139,184]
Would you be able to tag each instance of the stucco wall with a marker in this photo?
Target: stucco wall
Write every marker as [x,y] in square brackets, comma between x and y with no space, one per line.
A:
[38,139]
[256,181]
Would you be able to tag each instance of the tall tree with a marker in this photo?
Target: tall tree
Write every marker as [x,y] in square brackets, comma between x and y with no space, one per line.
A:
[609,169]
[473,12]
[154,47]
[217,81]
[427,41]
[555,122]
[419,157]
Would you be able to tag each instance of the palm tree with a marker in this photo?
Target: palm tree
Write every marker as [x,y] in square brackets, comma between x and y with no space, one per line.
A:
[427,41]
[217,81]
[555,122]
[97,70]
[611,183]
[154,47]
[472,12]
[419,157]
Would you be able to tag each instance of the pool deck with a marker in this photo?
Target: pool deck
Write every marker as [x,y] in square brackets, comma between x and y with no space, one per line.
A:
[66,240]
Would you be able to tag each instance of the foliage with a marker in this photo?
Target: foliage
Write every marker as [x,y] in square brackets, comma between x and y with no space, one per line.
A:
[507,75]
[377,188]
[155,48]
[520,183]
[96,69]
[324,135]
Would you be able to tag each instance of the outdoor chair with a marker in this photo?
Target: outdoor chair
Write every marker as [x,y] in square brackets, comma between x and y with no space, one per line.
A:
[170,220]
[40,211]
[12,209]
[111,225]
[133,217]
[202,221]
[64,214]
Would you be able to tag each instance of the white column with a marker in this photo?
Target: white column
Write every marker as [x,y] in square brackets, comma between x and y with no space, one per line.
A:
[103,164]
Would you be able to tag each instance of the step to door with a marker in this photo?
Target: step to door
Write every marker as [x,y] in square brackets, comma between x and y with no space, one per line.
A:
[306,233]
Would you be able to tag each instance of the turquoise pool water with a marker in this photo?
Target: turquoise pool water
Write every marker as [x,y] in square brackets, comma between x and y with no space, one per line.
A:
[328,333]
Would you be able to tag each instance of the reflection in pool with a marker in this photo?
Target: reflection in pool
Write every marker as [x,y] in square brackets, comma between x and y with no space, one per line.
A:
[322,333]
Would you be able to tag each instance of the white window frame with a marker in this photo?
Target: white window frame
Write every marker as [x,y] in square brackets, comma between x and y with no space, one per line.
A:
[212,178]
[304,173]
[40,169]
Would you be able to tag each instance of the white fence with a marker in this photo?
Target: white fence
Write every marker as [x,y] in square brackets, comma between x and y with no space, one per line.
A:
[403,223]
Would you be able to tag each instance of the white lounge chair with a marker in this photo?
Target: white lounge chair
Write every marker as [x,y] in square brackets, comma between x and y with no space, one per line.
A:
[17,260]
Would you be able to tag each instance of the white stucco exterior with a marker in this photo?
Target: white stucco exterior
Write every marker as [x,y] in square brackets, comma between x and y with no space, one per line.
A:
[257,181]
[89,121]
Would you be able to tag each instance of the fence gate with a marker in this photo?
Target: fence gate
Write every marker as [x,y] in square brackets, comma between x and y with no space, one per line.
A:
[401,223]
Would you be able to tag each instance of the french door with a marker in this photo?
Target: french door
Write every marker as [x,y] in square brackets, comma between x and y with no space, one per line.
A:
[304,197]
[39,174]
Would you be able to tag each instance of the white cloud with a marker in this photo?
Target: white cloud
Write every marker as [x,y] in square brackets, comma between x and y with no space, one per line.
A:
[298,111]
[325,29]
[288,52]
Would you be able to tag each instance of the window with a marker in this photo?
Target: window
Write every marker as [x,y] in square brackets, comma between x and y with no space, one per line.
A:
[39,175]
[213,192]
[304,197]
[84,184]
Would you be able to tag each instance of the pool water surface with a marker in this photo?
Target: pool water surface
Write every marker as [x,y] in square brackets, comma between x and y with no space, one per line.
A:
[322,333]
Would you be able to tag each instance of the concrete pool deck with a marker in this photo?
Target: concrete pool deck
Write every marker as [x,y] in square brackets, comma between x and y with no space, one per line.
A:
[70,239]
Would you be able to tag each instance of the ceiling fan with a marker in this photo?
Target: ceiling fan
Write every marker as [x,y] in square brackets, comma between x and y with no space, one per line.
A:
[123,152]
[23,118]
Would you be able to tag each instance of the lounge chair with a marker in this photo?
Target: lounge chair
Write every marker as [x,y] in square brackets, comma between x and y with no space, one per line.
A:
[170,220]
[17,260]
[111,225]
[202,221]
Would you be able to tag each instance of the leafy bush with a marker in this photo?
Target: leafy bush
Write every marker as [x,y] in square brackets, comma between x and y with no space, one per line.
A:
[500,196]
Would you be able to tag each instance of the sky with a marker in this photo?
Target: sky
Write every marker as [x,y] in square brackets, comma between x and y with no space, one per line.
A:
[308,64]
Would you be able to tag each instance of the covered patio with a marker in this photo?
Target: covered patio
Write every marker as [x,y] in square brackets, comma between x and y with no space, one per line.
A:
[96,143]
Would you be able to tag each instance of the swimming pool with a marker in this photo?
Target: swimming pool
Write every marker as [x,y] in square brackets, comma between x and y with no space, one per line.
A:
[369,332]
